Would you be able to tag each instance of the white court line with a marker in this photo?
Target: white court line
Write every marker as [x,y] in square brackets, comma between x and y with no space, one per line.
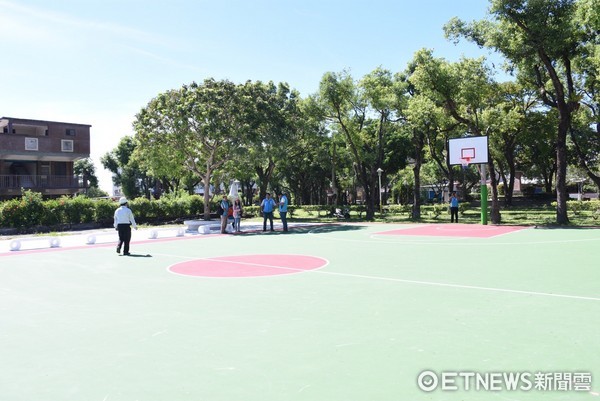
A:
[398,280]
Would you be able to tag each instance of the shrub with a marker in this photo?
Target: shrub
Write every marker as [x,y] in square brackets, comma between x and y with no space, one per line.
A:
[358,209]
[104,211]
[12,214]
[399,209]
[251,211]
[576,207]
[437,210]
[196,205]
[79,209]
[25,212]
[54,212]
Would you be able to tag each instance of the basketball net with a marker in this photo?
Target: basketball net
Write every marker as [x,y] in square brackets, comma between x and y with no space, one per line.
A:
[465,162]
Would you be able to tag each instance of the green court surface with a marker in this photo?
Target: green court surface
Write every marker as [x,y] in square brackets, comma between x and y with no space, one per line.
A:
[351,312]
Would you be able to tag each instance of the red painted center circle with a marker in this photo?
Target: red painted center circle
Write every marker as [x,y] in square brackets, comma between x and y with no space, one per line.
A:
[248,265]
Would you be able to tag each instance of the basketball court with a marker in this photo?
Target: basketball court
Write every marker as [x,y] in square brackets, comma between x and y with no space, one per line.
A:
[348,312]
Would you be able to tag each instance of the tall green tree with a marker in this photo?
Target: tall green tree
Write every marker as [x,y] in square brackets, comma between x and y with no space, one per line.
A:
[465,91]
[585,133]
[537,148]
[363,114]
[541,39]
[127,172]
[195,129]
[307,164]
[86,169]
[274,122]
[510,118]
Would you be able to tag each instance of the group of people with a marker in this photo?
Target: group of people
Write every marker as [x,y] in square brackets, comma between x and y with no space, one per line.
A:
[124,219]
[234,211]
[267,207]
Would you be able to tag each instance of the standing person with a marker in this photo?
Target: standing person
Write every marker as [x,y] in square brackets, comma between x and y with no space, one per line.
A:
[123,221]
[224,214]
[237,214]
[266,207]
[453,207]
[283,206]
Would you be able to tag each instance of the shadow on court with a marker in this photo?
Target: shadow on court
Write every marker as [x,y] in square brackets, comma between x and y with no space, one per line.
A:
[316,229]
[136,255]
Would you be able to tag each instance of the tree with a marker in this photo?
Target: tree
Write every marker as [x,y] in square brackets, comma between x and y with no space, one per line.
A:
[363,115]
[465,91]
[585,133]
[273,127]
[537,153]
[127,173]
[195,129]
[541,40]
[85,168]
[510,119]
[424,120]
[307,164]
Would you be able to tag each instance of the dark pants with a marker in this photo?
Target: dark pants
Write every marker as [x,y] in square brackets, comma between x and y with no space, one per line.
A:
[283,216]
[124,237]
[453,213]
[267,215]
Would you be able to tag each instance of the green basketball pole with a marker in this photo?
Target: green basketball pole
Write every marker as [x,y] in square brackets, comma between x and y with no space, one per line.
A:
[484,195]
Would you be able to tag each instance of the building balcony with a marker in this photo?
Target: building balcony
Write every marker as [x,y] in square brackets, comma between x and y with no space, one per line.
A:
[10,185]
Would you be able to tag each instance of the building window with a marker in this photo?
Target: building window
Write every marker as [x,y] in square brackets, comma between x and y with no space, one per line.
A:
[66,145]
[70,131]
[31,144]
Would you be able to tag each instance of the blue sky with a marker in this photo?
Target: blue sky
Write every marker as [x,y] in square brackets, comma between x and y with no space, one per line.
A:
[99,62]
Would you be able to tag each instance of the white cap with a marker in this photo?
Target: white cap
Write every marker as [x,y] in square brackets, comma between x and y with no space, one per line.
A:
[122,200]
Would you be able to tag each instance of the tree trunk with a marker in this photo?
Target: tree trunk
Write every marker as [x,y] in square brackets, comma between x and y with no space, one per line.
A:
[561,169]
[370,202]
[495,211]
[416,207]
[206,181]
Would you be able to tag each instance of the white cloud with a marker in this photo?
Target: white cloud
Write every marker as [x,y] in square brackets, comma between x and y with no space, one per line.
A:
[40,22]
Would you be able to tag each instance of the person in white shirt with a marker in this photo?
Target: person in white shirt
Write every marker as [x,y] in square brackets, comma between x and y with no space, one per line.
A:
[123,221]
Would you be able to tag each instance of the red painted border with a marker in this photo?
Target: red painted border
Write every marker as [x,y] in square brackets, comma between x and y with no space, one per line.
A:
[455,230]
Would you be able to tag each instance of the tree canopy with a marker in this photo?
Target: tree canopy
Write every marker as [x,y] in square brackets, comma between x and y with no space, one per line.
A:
[333,145]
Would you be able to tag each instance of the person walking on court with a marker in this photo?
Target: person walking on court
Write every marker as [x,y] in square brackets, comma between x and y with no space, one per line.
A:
[123,220]
[283,206]
[266,207]
[224,214]
[453,207]
[237,214]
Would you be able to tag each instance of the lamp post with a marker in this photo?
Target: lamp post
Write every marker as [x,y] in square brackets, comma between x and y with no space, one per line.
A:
[379,171]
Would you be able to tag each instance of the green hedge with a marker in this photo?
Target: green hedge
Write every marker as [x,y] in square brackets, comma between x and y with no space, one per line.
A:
[31,210]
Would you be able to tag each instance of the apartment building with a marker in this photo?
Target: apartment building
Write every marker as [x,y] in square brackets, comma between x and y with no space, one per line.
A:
[39,155]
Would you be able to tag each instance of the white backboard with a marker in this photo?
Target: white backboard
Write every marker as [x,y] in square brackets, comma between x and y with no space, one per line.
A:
[473,148]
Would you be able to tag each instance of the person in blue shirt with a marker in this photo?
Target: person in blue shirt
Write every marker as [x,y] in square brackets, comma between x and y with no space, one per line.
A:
[453,207]
[283,206]
[224,214]
[266,207]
